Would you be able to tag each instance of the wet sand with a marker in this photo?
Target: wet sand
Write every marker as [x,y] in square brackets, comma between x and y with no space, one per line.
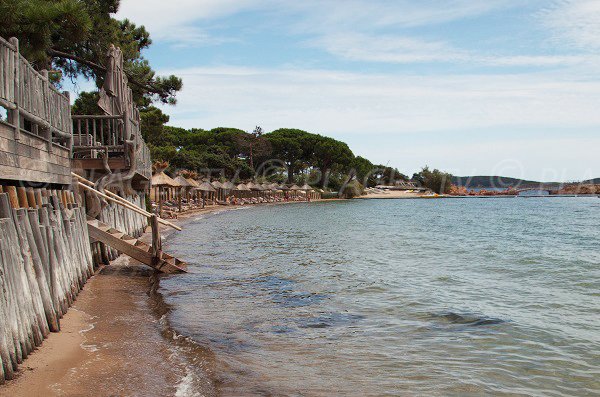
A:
[110,344]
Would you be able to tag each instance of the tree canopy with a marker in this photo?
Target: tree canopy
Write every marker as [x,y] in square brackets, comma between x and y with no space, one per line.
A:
[284,155]
[71,39]
[436,180]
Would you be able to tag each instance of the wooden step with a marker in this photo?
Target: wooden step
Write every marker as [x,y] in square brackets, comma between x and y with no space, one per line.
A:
[133,247]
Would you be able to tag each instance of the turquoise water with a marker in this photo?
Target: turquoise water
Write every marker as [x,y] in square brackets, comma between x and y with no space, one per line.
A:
[395,297]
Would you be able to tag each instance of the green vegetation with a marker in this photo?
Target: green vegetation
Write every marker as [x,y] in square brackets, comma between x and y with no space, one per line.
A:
[490,181]
[352,189]
[438,181]
[72,38]
[283,155]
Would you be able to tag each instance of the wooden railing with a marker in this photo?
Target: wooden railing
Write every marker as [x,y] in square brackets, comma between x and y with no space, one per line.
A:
[97,135]
[29,95]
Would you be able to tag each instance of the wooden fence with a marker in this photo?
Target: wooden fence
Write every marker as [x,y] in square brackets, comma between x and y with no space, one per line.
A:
[45,260]
[29,95]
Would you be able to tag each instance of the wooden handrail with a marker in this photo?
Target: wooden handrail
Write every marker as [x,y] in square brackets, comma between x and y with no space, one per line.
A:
[86,184]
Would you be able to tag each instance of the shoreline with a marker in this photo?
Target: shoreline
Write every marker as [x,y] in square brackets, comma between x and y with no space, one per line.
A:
[117,330]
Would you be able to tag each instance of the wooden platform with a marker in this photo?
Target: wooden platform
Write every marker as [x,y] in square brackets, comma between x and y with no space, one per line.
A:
[32,158]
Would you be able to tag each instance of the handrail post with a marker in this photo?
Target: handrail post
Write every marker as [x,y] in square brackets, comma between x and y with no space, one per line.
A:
[156,241]
[14,116]
[48,132]
[69,124]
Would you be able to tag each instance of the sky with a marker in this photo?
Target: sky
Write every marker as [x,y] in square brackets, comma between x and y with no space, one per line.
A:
[473,87]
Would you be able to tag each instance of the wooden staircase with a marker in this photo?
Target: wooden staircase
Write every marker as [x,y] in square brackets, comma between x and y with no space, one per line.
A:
[134,248]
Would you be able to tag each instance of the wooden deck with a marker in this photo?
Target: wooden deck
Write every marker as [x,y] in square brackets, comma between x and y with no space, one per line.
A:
[32,159]
[35,139]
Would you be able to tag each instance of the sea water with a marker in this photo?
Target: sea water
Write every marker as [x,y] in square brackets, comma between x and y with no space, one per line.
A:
[395,297]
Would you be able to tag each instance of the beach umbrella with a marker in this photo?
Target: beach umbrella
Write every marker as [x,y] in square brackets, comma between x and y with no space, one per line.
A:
[161,181]
[241,188]
[193,182]
[306,187]
[228,186]
[182,181]
[253,186]
[206,187]
[295,187]
[217,185]
[185,186]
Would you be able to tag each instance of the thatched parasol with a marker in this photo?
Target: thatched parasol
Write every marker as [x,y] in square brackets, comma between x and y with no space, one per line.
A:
[242,188]
[255,186]
[206,187]
[217,185]
[228,186]
[306,187]
[182,181]
[295,187]
[193,182]
[162,179]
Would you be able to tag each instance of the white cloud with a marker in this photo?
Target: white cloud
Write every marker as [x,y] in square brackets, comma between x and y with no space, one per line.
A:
[549,159]
[401,49]
[461,118]
[347,103]
[176,21]
[385,48]
[332,15]
[185,21]
[575,22]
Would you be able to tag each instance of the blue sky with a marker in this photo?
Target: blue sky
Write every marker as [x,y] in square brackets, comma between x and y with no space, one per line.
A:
[507,87]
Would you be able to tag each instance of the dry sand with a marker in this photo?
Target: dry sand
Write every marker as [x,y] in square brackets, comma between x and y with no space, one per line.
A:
[393,194]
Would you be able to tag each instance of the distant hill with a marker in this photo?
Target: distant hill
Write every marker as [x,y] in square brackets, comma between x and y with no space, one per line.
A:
[595,181]
[487,181]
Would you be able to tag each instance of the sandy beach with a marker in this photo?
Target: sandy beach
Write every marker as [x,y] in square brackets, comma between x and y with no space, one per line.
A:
[392,194]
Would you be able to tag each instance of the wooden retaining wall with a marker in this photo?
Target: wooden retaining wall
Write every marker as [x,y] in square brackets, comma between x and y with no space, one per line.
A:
[45,260]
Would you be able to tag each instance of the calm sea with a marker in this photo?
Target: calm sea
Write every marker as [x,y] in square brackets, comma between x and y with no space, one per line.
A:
[394,297]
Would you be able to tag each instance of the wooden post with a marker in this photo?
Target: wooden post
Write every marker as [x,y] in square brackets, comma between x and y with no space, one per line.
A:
[14,116]
[31,197]
[48,131]
[69,143]
[160,200]
[156,241]
[179,199]
[22,194]
[12,196]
